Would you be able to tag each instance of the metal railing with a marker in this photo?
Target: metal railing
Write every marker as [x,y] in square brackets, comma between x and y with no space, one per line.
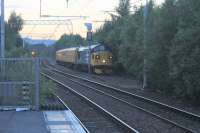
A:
[19,83]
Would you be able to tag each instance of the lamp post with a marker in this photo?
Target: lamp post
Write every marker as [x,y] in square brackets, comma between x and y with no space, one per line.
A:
[145,45]
[89,39]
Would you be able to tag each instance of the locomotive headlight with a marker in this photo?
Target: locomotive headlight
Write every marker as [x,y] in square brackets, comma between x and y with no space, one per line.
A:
[97,57]
[33,53]
[104,61]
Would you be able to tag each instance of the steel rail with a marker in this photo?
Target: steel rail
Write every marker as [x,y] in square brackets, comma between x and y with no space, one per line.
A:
[135,106]
[195,116]
[113,117]
[65,105]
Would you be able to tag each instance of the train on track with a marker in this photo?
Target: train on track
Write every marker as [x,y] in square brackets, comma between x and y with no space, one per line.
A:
[78,58]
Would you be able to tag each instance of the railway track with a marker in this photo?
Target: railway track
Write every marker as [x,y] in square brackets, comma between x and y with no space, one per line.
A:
[187,113]
[67,108]
[175,116]
[94,117]
[126,100]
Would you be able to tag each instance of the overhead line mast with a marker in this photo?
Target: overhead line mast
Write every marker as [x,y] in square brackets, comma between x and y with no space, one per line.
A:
[2,30]
[145,71]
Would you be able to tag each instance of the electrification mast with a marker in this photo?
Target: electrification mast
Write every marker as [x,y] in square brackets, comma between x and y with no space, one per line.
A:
[146,10]
[2,30]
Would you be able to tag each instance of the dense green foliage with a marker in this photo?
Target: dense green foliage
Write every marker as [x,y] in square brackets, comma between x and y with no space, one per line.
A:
[172,44]
[185,51]
[67,41]
[47,90]
[13,39]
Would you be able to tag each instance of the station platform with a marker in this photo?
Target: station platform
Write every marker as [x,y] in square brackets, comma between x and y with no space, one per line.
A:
[39,122]
[22,122]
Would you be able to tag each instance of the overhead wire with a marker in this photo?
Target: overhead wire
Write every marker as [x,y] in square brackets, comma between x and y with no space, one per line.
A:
[83,10]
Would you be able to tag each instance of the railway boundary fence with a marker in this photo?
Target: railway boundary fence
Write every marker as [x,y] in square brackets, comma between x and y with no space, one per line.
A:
[19,83]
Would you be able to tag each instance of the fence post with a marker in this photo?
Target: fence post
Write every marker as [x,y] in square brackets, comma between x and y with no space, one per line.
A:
[2,65]
[37,84]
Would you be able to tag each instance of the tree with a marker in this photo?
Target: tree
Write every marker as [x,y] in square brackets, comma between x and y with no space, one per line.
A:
[173,49]
[67,41]
[123,8]
[13,39]
[131,49]
[15,23]
[165,27]
[185,52]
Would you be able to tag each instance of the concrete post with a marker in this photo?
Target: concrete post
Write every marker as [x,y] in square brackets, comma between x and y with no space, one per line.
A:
[37,84]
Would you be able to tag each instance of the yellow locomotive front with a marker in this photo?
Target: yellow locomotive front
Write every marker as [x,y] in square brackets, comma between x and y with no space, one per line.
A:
[101,60]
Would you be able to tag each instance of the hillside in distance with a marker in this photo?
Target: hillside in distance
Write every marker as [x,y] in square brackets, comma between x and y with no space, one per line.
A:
[47,42]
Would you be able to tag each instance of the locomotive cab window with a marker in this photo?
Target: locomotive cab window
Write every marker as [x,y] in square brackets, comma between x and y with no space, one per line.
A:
[99,48]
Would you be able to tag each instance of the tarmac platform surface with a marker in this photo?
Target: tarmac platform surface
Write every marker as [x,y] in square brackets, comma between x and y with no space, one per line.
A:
[22,122]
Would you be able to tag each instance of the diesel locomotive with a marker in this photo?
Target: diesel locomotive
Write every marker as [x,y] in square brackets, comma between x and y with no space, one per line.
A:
[78,57]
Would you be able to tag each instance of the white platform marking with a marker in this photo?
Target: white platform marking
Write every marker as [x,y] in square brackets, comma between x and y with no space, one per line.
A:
[62,122]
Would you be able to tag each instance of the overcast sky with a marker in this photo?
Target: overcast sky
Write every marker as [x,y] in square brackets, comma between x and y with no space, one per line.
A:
[30,9]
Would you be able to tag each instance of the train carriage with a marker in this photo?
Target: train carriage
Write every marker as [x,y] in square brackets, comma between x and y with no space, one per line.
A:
[67,56]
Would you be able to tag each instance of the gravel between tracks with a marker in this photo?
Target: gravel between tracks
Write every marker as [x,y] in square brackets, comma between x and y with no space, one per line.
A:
[94,121]
[145,123]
